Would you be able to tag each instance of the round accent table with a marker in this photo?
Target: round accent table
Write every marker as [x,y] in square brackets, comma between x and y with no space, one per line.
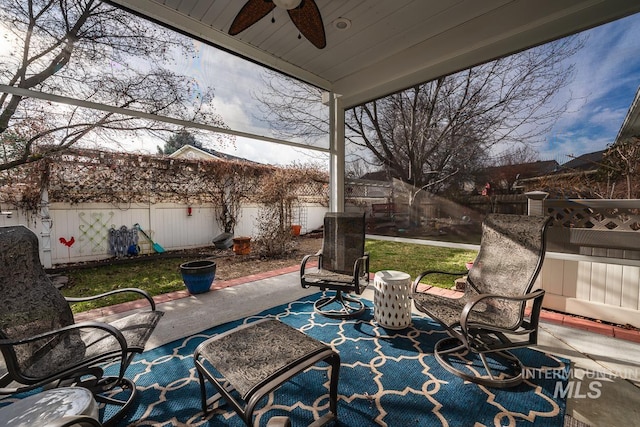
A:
[64,406]
[391,302]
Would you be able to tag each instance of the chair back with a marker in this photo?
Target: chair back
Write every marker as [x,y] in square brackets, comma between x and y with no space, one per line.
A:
[29,303]
[509,261]
[343,241]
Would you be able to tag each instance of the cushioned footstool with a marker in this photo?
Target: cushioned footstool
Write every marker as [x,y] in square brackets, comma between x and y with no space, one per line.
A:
[257,358]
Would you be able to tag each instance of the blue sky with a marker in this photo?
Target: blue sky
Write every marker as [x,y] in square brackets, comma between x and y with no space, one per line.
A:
[606,81]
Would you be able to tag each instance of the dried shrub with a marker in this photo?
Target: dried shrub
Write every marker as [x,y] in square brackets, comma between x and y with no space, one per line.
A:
[280,190]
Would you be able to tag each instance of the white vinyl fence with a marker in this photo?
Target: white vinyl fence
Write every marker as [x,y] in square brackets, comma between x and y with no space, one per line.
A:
[592,267]
[81,232]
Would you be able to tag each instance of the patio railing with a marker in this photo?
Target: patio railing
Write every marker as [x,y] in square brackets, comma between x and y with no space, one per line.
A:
[592,267]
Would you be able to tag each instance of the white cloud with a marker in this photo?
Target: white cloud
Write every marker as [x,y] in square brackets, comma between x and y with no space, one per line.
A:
[606,79]
[271,153]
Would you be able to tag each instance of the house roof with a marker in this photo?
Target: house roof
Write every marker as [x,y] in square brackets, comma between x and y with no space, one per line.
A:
[384,46]
[631,124]
[589,161]
[523,170]
[381,175]
[190,152]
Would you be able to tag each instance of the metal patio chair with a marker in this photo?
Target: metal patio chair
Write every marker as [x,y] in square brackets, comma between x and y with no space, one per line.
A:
[489,319]
[43,346]
[343,266]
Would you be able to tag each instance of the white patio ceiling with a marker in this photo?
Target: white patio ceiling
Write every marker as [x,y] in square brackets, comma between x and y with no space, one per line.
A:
[391,44]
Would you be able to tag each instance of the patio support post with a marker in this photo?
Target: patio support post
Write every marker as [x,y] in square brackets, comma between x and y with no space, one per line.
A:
[336,153]
[535,204]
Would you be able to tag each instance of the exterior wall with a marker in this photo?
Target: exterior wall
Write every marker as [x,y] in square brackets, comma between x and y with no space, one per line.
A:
[168,224]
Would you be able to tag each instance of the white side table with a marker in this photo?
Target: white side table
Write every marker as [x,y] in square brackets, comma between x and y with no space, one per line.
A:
[391,302]
[64,406]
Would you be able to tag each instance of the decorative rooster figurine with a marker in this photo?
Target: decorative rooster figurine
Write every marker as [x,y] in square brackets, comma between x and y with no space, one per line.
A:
[67,243]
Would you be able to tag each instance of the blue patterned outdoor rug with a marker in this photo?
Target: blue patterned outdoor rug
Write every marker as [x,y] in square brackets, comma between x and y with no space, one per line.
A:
[387,378]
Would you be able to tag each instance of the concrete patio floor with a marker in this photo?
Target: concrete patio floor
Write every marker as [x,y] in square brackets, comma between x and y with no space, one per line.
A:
[605,379]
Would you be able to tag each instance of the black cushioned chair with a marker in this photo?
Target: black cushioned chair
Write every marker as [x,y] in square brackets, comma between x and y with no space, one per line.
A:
[41,343]
[489,319]
[343,265]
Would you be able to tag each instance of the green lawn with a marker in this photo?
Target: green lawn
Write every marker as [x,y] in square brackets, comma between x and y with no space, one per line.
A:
[158,276]
[414,259]
[162,275]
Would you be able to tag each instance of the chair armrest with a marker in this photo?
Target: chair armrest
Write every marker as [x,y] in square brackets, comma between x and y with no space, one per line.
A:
[305,260]
[142,292]
[536,296]
[426,273]
[303,266]
[361,267]
[82,325]
[7,345]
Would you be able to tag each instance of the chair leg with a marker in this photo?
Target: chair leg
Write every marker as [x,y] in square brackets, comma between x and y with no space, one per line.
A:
[105,392]
[507,374]
[348,307]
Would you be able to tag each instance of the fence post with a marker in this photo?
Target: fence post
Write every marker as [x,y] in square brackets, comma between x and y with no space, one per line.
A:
[47,224]
[535,202]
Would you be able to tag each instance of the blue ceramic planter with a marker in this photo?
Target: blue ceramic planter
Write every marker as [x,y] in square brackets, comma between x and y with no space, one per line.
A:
[198,275]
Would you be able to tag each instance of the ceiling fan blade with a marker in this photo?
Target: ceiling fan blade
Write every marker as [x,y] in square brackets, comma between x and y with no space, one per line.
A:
[307,19]
[251,12]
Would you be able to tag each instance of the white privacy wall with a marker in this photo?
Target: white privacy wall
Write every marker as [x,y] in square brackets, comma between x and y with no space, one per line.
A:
[167,224]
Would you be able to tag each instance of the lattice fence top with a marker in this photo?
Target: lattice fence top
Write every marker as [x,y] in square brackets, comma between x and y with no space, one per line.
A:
[618,215]
[83,176]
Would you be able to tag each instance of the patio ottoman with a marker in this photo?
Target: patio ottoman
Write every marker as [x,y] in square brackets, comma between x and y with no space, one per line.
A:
[257,358]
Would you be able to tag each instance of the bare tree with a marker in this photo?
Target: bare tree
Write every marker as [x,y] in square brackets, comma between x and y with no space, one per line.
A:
[450,126]
[442,131]
[621,163]
[90,51]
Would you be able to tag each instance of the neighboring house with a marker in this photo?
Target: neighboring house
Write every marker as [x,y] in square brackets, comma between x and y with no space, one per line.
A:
[381,175]
[505,179]
[194,153]
[583,163]
[631,124]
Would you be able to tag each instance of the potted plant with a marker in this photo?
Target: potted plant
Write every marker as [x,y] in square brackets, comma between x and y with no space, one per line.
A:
[198,275]
[242,245]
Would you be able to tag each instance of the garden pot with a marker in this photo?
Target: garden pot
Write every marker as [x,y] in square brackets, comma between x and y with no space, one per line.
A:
[242,245]
[198,275]
[223,241]
[295,229]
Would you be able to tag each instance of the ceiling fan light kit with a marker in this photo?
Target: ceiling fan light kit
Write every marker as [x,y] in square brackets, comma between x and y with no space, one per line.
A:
[287,4]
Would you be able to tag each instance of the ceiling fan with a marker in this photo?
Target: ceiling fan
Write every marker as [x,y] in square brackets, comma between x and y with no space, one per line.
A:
[304,14]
